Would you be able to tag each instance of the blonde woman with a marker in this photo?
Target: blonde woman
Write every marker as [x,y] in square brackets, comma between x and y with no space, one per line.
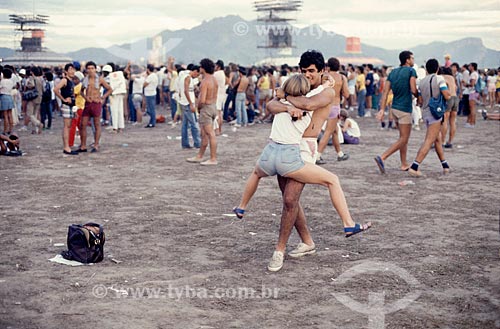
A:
[282,156]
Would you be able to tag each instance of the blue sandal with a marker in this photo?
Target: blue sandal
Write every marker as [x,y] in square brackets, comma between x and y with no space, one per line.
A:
[350,231]
[380,164]
[239,212]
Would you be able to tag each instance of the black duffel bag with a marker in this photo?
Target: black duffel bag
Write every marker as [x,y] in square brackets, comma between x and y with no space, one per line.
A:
[85,243]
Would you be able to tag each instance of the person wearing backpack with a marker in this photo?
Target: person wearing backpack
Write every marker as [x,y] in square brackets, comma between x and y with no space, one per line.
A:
[46,105]
[474,87]
[432,86]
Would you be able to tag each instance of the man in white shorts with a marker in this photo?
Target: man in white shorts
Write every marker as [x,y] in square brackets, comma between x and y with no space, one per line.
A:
[220,77]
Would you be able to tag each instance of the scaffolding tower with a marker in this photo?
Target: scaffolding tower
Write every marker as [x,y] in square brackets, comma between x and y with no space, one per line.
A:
[275,17]
[32,34]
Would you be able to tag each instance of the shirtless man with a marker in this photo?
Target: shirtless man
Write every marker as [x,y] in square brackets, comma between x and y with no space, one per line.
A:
[241,98]
[208,113]
[312,64]
[341,89]
[93,105]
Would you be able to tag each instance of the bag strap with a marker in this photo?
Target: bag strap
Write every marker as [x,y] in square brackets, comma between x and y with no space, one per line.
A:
[430,85]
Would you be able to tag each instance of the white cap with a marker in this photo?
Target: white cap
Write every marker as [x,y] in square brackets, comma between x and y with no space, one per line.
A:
[107,68]
[22,71]
[98,69]
[79,75]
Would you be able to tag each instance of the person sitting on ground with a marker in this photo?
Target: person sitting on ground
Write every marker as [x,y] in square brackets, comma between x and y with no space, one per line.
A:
[490,116]
[286,134]
[350,128]
[9,145]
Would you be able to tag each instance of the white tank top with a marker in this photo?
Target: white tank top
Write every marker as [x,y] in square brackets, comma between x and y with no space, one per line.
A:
[287,131]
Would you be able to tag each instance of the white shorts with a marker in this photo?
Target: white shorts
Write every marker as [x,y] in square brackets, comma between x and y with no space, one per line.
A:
[352,90]
[219,104]
[309,149]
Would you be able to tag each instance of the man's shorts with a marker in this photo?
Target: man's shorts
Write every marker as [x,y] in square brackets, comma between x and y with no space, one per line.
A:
[221,99]
[352,90]
[429,119]
[208,113]
[474,96]
[334,112]
[403,118]
[452,104]
[265,93]
[92,109]
[280,159]
[67,111]
[137,101]
[309,149]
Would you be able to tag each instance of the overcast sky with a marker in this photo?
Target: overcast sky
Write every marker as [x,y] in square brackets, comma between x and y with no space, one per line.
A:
[392,24]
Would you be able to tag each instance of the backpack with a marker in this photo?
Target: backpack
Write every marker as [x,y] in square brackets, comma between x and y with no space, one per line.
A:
[85,243]
[437,105]
[479,85]
[47,93]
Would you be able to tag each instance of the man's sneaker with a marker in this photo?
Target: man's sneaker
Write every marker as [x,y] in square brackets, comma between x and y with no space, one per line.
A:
[276,262]
[415,173]
[320,161]
[343,158]
[448,146]
[484,114]
[302,249]
[468,125]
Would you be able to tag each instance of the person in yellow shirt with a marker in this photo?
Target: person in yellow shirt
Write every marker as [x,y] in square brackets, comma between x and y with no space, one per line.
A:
[361,90]
[79,105]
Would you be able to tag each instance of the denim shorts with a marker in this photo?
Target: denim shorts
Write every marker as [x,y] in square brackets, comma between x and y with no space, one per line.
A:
[280,159]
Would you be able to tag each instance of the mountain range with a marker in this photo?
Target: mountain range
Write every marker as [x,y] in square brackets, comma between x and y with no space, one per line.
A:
[220,38]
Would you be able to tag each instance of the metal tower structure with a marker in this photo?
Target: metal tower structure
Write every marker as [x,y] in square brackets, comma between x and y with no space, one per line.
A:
[275,17]
[32,34]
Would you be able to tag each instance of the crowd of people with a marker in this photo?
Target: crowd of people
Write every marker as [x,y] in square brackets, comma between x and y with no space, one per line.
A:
[310,106]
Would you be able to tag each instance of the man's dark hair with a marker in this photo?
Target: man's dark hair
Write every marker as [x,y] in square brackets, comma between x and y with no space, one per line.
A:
[7,73]
[456,65]
[178,68]
[90,63]
[242,70]
[404,56]
[333,64]
[370,66]
[195,68]
[49,76]
[190,67]
[445,70]
[151,67]
[270,70]
[220,64]
[432,65]
[312,57]
[37,71]
[67,66]
[207,65]
[474,65]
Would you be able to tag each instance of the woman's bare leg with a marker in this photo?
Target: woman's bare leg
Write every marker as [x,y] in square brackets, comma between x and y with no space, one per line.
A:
[313,174]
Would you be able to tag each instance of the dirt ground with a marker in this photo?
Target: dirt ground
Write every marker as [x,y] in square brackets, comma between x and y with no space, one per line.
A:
[431,257]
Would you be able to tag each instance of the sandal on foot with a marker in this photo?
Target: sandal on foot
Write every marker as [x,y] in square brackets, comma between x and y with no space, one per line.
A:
[380,164]
[350,231]
[239,212]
